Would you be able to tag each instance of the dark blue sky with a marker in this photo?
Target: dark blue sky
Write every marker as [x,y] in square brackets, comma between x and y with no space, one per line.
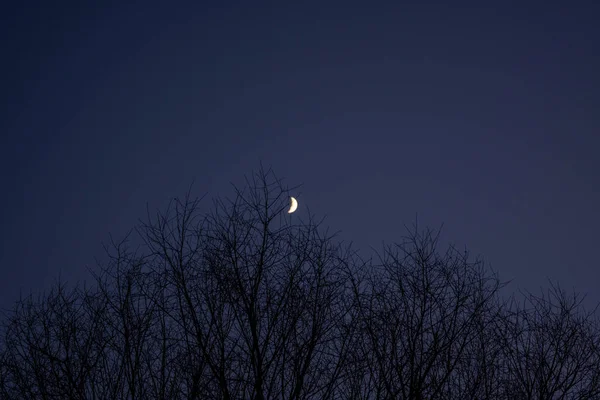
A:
[484,118]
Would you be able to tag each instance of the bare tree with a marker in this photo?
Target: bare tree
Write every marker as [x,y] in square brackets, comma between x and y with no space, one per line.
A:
[52,345]
[243,301]
[551,348]
[130,318]
[254,294]
[422,317]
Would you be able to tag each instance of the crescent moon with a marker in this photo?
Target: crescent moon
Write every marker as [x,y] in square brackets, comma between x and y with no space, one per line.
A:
[293,205]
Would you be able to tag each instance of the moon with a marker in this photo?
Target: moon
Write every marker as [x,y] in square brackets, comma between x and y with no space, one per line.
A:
[293,205]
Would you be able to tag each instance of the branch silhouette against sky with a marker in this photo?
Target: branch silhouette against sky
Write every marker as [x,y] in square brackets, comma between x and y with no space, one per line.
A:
[246,301]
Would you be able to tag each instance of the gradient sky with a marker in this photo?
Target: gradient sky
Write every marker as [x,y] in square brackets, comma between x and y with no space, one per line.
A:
[484,118]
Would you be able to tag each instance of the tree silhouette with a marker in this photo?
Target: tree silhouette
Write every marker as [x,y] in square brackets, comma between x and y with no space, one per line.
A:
[245,302]
[422,318]
[550,348]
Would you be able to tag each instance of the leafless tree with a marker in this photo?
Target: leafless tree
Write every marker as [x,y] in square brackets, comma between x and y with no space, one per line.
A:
[255,295]
[550,347]
[241,300]
[422,318]
[52,345]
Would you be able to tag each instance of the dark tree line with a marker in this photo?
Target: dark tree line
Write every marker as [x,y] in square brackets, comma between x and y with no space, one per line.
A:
[246,302]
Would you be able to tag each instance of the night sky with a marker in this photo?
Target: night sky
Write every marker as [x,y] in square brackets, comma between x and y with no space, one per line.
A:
[482,117]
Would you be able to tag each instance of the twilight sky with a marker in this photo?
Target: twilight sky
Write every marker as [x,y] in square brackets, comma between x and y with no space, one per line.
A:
[484,118]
